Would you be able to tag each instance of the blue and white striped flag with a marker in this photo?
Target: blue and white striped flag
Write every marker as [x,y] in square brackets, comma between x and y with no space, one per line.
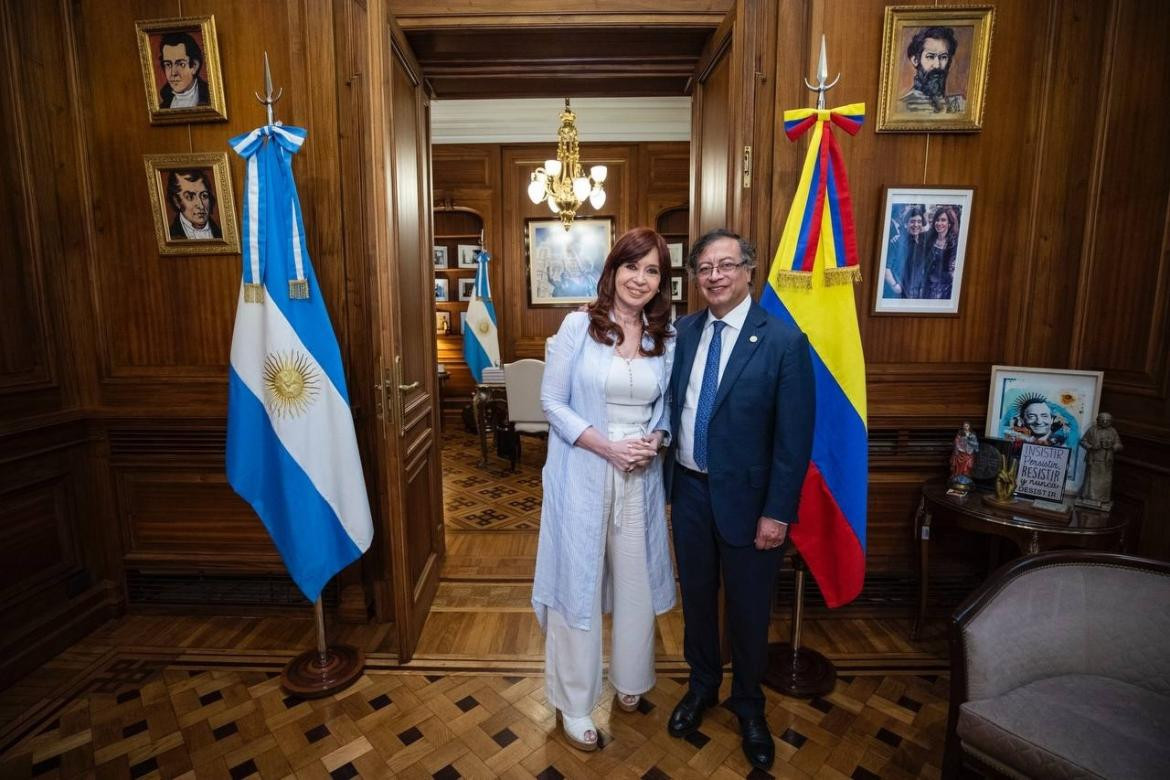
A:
[291,449]
[481,339]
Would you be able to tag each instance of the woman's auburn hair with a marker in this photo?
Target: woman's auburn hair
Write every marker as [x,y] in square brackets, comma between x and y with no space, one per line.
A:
[631,247]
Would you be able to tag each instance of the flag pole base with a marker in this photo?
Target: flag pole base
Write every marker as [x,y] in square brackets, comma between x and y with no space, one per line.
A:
[312,676]
[802,673]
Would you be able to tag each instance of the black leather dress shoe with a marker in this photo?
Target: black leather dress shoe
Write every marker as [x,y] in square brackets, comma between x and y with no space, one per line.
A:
[758,747]
[688,715]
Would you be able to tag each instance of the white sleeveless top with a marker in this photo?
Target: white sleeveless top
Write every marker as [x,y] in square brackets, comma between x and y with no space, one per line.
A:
[630,392]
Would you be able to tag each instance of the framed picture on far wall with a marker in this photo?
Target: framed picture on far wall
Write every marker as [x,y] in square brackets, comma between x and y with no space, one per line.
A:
[676,255]
[439,253]
[192,202]
[442,290]
[466,288]
[467,255]
[1044,406]
[563,267]
[181,70]
[923,250]
[934,68]
[676,288]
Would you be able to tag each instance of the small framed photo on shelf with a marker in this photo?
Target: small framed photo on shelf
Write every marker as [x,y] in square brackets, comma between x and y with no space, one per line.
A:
[934,68]
[462,321]
[181,70]
[1052,407]
[466,288]
[676,255]
[676,288]
[442,322]
[923,250]
[467,255]
[440,255]
[442,293]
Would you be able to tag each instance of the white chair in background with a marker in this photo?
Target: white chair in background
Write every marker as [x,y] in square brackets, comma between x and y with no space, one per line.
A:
[525,417]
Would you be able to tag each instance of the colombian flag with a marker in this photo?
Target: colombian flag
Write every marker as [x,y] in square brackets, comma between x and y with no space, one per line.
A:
[809,287]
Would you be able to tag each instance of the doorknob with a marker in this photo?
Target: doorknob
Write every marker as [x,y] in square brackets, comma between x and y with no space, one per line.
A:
[403,389]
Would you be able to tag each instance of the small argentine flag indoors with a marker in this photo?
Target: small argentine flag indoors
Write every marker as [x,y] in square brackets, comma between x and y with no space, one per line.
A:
[291,449]
[481,339]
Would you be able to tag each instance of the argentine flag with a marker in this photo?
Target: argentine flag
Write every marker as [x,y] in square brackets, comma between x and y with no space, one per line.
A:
[481,339]
[291,449]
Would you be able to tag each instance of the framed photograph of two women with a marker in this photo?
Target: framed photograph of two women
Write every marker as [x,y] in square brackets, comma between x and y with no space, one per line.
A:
[923,250]
[934,68]
[181,70]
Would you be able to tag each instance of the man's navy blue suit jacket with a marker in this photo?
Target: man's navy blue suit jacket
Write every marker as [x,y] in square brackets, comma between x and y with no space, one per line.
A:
[759,440]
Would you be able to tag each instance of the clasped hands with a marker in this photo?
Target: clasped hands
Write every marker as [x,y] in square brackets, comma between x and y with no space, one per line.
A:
[634,453]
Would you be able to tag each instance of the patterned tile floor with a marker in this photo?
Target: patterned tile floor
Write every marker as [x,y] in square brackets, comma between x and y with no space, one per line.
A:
[210,714]
[492,497]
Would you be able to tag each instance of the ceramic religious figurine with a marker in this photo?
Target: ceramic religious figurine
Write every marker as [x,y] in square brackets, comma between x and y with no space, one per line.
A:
[963,460]
[1100,442]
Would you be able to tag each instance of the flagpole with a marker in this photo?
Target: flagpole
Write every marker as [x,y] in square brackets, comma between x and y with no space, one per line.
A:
[792,669]
[326,669]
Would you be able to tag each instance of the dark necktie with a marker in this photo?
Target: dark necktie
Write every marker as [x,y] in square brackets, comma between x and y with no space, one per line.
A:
[707,394]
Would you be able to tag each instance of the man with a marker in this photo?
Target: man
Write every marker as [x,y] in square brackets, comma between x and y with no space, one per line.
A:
[904,260]
[193,200]
[1036,423]
[182,64]
[743,401]
[931,52]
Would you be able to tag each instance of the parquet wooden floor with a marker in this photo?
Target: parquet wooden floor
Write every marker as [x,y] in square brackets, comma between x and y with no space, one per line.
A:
[493,497]
[143,714]
[181,695]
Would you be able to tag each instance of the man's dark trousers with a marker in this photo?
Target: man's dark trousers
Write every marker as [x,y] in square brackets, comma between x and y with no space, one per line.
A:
[749,576]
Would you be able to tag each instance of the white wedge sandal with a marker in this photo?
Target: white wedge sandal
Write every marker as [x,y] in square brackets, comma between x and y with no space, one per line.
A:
[581,732]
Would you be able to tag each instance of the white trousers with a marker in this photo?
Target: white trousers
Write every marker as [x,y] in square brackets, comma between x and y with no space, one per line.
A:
[572,658]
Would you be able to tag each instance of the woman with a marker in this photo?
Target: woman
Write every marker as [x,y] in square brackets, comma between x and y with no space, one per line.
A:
[941,250]
[603,526]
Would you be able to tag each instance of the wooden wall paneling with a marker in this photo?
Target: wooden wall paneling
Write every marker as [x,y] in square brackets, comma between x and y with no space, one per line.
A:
[40,288]
[531,326]
[57,584]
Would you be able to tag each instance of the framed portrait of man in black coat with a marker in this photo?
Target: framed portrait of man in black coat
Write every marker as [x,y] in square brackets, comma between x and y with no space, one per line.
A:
[181,70]
[191,199]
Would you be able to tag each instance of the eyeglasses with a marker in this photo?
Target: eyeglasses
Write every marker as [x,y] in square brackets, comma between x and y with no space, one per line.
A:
[725,266]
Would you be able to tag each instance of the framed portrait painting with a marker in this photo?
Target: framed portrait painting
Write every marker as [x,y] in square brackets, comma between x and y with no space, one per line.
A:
[1044,406]
[923,250]
[934,68]
[181,70]
[564,266]
[192,202]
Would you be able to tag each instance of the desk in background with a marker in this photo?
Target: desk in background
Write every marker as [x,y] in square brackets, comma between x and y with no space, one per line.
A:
[489,404]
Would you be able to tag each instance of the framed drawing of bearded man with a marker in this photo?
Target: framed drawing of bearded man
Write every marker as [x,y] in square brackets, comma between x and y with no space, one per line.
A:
[934,68]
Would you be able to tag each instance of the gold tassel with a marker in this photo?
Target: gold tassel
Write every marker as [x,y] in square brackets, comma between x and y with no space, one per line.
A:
[253,293]
[795,280]
[298,289]
[850,274]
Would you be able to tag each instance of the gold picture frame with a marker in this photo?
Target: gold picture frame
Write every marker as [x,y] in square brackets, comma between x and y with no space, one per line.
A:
[913,97]
[191,194]
[168,50]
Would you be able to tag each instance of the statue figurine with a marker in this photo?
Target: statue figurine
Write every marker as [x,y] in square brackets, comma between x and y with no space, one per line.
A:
[963,460]
[1005,482]
[1100,442]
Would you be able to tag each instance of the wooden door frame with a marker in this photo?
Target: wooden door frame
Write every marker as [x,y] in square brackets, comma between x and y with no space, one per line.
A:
[747,36]
[395,596]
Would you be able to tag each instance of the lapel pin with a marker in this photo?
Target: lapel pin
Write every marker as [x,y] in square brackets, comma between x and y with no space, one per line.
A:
[753,339]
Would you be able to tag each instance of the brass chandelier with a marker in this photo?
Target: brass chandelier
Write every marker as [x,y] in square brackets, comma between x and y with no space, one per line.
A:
[561,182]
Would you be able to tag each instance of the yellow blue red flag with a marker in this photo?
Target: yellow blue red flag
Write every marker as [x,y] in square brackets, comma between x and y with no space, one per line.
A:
[808,286]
